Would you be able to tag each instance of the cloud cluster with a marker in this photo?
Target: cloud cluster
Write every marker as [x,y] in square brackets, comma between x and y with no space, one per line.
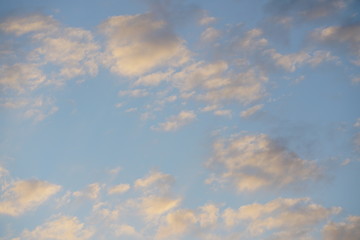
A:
[252,162]
[175,122]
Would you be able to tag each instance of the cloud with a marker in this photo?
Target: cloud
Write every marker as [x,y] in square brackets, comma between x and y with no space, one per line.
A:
[92,191]
[251,111]
[253,162]
[139,43]
[349,230]
[59,228]
[201,74]
[25,195]
[244,87]
[134,93]
[285,216]
[356,141]
[127,230]
[292,62]
[153,79]
[155,178]
[28,24]
[118,189]
[177,223]
[44,54]
[173,123]
[340,36]
[305,10]
[210,34]
[153,206]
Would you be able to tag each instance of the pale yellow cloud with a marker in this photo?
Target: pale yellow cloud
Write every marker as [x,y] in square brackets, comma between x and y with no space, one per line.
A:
[177,223]
[59,228]
[126,230]
[251,111]
[286,216]
[210,34]
[154,79]
[25,195]
[153,206]
[291,62]
[92,191]
[139,43]
[255,161]
[173,123]
[118,189]
[349,230]
[33,23]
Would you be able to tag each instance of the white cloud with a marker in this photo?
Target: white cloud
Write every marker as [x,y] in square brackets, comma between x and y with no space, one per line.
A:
[349,230]
[118,189]
[25,195]
[126,230]
[59,228]
[140,43]
[155,180]
[357,123]
[251,111]
[255,161]
[173,123]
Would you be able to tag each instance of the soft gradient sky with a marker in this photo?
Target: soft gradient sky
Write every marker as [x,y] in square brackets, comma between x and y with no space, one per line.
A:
[179,119]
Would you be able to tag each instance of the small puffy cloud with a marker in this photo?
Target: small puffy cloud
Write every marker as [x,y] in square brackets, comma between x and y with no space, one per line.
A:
[251,111]
[173,123]
[33,23]
[293,61]
[158,180]
[208,215]
[92,191]
[210,34]
[139,43]
[59,228]
[118,189]
[244,87]
[202,75]
[205,19]
[349,230]
[134,93]
[255,161]
[305,10]
[252,40]
[25,195]
[153,206]
[153,79]
[177,223]
[223,112]
[357,123]
[285,216]
[343,36]
[126,230]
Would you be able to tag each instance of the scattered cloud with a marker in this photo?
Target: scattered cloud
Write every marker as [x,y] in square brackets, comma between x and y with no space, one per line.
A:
[253,162]
[140,43]
[92,191]
[349,230]
[25,195]
[119,189]
[173,123]
[287,216]
[251,111]
[59,228]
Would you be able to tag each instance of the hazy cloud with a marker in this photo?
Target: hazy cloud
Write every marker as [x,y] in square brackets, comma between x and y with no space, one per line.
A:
[175,122]
[349,230]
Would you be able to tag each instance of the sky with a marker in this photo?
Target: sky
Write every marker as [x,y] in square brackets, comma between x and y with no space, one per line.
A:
[179,119]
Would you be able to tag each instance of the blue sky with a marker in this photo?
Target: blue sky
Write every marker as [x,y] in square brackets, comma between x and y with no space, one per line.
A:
[170,119]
